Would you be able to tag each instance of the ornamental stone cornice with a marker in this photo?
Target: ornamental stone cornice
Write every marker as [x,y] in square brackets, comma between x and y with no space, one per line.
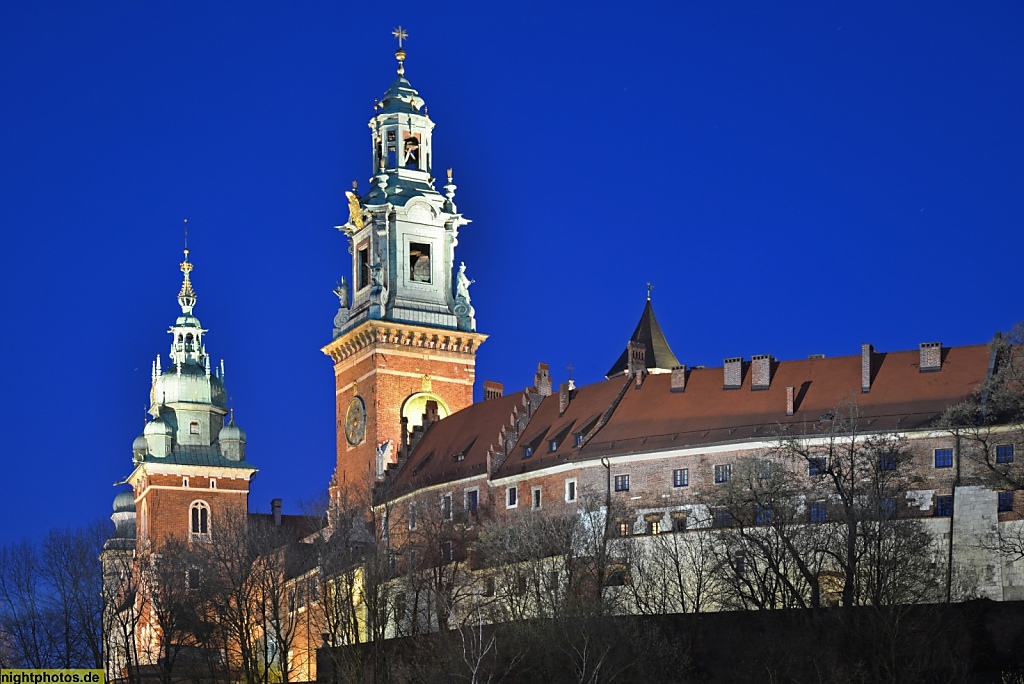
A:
[402,335]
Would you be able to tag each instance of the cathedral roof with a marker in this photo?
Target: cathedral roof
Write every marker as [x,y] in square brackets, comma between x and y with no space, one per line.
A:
[198,455]
[659,355]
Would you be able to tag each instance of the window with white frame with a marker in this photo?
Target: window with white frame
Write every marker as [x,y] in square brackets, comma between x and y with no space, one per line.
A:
[537,497]
[213,483]
[472,497]
[570,490]
[722,473]
[511,497]
[681,477]
[446,507]
[412,516]
[199,521]
[184,482]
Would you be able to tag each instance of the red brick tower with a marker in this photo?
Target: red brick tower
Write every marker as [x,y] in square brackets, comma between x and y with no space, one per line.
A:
[405,332]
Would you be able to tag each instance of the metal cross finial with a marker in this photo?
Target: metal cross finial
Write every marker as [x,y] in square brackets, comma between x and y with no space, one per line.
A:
[649,288]
[186,266]
[570,368]
[401,34]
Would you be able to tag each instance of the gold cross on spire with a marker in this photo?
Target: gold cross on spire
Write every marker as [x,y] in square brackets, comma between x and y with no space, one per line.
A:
[186,267]
[401,34]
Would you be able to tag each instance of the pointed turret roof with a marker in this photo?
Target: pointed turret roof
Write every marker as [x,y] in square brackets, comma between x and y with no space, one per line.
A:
[659,356]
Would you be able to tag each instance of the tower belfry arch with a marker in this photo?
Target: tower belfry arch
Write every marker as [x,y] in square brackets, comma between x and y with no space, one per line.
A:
[404,306]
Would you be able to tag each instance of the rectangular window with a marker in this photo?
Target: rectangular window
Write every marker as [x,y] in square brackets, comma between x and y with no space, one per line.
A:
[537,498]
[721,517]
[886,462]
[579,439]
[624,528]
[184,482]
[363,268]
[527,452]
[815,466]
[653,527]
[681,477]
[763,470]
[446,507]
[1004,453]
[412,516]
[553,445]
[722,473]
[511,497]
[943,458]
[943,506]
[213,483]
[193,428]
[447,552]
[818,512]
[570,490]
[472,500]
[419,262]
[1005,502]
[679,523]
[622,483]
[489,586]
[763,515]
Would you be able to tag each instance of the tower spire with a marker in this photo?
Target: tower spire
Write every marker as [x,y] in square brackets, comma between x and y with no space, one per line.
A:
[187,295]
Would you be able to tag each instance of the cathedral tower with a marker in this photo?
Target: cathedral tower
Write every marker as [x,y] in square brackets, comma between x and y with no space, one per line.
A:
[405,332]
[190,470]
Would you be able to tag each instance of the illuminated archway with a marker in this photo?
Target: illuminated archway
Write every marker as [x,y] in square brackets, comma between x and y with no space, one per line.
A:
[416,405]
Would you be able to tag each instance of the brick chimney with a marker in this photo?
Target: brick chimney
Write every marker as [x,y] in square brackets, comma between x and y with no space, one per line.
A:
[275,508]
[542,380]
[733,372]
[867,367]
[431,415]
[931,357]
[563,397]
[679,378]
[761,372]
[493,390]
[790,400]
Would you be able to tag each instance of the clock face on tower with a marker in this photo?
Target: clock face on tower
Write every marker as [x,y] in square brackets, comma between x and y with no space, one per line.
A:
[355,421]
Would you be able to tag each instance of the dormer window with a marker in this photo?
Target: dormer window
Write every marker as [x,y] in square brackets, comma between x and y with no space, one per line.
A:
[553,445]
[579,439]
[527,452]
[459,457]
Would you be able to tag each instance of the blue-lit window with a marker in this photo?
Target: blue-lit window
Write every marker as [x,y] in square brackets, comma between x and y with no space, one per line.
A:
[887,462]
[943,458]
[1004,453]
[763,515]
[1005,502]
[818,512]
[722,473]
[816,466]
[527,452]
[622,483]
[887,508]
[721,517]
[943,506]
[681,477]
[579,439]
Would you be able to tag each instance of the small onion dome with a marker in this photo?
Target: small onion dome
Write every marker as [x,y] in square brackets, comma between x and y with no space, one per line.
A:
[140,444]
[124,502]
[232,433]
[157,427]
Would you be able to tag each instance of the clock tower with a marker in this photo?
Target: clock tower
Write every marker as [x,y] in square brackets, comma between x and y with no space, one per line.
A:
[405,332]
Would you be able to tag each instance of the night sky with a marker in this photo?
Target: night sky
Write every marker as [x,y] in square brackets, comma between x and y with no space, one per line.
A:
[793,178]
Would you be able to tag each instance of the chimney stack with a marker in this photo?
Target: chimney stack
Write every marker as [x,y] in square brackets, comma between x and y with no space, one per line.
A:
[679,378]
[563,397]
[493,390]
[275,507]
[431,415]
[733,372]
[931,357]
[761,372]
[867,367]
[790,398]
[542,380]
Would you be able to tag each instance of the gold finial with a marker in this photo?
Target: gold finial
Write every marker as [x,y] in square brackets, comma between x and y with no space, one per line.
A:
[449,174]
[186,267]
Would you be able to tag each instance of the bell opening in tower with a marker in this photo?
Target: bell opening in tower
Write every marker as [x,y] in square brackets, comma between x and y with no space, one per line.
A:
[363,275]
[419,262]
[412,153]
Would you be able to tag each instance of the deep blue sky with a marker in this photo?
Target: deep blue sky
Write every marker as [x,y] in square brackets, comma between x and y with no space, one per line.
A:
[794,178]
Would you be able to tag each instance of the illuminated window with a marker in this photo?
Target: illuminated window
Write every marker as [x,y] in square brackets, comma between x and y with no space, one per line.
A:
[818,511]
[943,458]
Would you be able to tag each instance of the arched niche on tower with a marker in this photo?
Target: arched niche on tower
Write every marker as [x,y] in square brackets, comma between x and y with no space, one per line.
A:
[416,405]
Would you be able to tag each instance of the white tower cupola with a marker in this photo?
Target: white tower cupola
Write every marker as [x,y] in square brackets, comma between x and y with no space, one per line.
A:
[403,232]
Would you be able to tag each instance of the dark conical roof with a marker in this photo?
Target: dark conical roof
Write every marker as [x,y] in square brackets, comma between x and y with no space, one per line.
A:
[659,355]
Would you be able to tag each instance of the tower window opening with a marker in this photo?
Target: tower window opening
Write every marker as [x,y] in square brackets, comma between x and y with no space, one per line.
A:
[193,428]
[188,342]
[391,136]
[419,262]
[412,153]
[200,521]
[391,157]
[363,275]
